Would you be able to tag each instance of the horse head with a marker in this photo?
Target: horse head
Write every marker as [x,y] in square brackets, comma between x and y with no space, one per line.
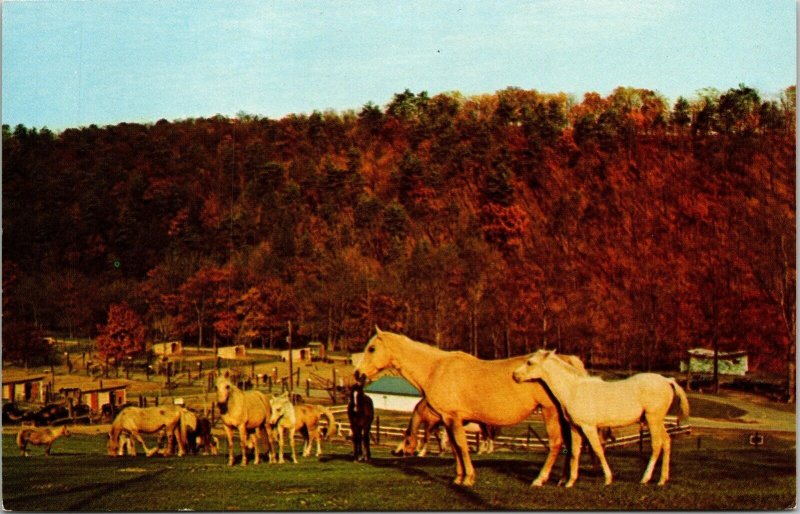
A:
[113,444]
[224,388]
[376,356]
[278,406]
[532,368]
[407,447]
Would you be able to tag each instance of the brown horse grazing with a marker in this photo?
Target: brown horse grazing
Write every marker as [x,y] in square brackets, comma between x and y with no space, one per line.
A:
[243,411]
[134,421]
[302,417]
[427,419]
[360,412]
[40,437]
[462,388]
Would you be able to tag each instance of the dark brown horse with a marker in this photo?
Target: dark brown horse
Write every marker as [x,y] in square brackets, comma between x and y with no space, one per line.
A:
[360,413]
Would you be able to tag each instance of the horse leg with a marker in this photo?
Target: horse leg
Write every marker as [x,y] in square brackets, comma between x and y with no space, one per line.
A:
[291,443]
[656,437]
[280,445]
[229,436]
[243,442]
[461,447]
[555,438]
[319,441]
[594,440]
[268,443]
[666,450]
[575,455]
[365,439]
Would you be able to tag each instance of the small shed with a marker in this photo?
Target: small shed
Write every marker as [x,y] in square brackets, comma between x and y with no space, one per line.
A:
[393,393]
[317,350]
[168,348]
[29,388]
[298,355]
[701,361]
[96,397]
[232,352]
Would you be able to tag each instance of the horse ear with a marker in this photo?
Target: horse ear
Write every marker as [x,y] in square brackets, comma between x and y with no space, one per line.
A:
[227,374]
[377,330]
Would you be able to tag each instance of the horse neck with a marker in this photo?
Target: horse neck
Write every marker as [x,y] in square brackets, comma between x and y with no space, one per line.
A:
[415,361]
[559,379]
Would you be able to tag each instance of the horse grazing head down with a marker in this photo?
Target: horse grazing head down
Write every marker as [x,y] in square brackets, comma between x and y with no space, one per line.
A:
[376,356]
[224,388]
[531,369]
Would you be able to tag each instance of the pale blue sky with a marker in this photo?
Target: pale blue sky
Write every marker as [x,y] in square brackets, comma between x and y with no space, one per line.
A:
[74,63]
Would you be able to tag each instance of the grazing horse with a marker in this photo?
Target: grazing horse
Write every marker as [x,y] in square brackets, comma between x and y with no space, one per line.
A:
[148,420]
[486,434]
[360,413]
[426,418]
[302,417]
[590,402]
[243,411]
[462,388]
[40,437]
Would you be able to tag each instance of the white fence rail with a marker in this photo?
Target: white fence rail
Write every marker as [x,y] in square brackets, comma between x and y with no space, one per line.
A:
[532,442]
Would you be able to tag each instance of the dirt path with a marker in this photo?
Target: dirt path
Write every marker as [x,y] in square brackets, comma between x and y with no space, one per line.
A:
[760,414]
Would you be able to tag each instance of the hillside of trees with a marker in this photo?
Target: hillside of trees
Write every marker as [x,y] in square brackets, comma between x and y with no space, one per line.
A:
[621,228]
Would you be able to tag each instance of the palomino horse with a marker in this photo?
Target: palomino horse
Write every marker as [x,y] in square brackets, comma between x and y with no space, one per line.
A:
[589,403]
[40,437]
[134,421]
[243,411]
[462,388]
[424,417]
[360,412]
[302,417]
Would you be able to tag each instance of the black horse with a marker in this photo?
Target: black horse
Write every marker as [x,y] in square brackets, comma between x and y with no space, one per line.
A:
[360,413]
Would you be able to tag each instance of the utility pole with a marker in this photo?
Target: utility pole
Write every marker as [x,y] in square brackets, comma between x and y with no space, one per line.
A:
[291,370]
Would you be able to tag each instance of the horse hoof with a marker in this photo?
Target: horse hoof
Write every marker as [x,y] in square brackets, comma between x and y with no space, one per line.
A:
[536,483]
[468,482]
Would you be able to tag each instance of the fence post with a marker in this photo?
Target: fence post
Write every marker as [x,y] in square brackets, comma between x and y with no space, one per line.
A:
[308,387]
[298,377]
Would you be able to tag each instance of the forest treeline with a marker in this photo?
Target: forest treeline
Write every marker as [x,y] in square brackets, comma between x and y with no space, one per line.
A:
[620,228]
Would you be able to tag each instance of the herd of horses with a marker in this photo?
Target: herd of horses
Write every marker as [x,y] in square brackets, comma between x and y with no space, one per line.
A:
[461,394]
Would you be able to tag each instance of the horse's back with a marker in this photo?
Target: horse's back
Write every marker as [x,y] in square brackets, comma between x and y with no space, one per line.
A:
[483,390]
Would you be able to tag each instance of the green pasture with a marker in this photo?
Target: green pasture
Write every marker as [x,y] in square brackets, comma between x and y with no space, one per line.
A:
[724,473]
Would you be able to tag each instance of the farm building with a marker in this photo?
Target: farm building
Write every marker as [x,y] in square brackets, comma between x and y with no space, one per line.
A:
[23,388]
[299,354]
[701,361]
[232,352]
[168,348]
[96,397]
[393,393]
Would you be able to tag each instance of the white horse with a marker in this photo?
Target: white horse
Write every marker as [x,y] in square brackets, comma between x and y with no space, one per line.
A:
[590,402]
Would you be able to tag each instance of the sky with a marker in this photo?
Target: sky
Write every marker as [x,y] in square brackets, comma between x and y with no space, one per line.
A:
[72,63]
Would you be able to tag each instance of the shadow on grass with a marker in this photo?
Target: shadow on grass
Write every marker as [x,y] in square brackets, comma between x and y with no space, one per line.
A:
[95,490]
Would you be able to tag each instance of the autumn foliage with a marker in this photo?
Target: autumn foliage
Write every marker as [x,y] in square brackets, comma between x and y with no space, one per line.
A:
[620,228]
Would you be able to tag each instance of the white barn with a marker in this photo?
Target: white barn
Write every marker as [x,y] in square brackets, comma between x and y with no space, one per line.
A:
[393,393]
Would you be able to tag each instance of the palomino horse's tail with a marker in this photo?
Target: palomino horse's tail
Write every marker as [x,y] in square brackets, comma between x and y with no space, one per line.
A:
[184,432]
[683,399]
[19,437]
[332,427]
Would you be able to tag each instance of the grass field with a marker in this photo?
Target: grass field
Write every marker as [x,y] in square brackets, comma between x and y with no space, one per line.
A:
[724,473]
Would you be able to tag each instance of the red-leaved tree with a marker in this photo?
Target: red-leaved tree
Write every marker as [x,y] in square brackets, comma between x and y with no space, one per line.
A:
[123,335]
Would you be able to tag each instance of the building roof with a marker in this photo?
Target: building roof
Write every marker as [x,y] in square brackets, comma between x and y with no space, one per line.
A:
[704,352]
[393,385]
[19,379]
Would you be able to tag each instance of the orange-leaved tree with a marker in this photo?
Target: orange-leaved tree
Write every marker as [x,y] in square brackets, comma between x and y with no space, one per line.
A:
[123,335]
